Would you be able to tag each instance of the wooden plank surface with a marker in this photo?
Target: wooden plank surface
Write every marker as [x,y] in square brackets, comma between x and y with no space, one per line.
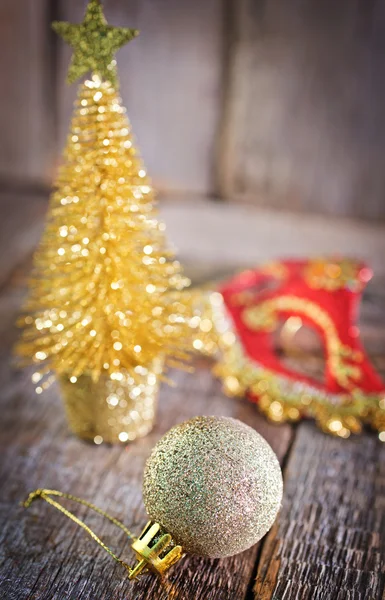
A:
[327,543]
[212,234]
[329,540]
[304,125]
[45,556]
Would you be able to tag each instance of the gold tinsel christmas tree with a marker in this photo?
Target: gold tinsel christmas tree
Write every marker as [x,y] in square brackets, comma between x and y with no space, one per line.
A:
[105,311]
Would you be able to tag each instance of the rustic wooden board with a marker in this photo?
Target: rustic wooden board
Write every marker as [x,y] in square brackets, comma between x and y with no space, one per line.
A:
[303,125]
[21,224]
[213,234]
[329,541]
[326,544]
[27,108]
[44,555]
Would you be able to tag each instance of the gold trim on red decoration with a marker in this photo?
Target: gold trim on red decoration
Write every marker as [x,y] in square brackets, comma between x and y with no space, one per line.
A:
[280,398]
[264,317]
[322,274]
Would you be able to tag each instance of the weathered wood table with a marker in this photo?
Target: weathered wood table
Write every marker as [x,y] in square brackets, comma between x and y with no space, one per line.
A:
[328,542]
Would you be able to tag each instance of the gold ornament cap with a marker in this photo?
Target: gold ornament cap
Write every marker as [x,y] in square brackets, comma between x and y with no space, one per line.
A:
[155,550]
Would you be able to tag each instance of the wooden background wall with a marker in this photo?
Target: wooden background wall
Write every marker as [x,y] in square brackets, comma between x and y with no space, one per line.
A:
[26,102]
[305,117]
[275,102]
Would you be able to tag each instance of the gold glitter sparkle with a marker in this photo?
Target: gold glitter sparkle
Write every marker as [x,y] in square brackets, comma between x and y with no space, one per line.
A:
[106,293]
[112,411]
[279,398]
[94,43]
[214,484]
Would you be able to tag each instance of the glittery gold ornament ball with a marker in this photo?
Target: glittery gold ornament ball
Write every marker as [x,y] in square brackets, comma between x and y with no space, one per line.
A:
[214,484]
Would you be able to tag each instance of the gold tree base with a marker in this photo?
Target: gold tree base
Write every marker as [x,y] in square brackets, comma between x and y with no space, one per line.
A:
[112,411]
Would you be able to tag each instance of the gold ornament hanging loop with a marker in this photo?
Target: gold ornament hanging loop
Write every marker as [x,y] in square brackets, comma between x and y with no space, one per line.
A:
[155,550]
[45,494]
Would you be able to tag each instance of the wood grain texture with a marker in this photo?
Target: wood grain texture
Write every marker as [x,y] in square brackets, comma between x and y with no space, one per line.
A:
[170,83]
[21,224]
[223,235]
[26,111]
[329,541]
[45,556]
[275,103]
[304,126]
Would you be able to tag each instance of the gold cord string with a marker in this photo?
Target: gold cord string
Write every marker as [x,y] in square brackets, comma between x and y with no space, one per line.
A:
[45,494]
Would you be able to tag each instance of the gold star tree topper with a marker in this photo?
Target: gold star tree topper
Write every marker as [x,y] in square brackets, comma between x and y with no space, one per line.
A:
[94,43]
